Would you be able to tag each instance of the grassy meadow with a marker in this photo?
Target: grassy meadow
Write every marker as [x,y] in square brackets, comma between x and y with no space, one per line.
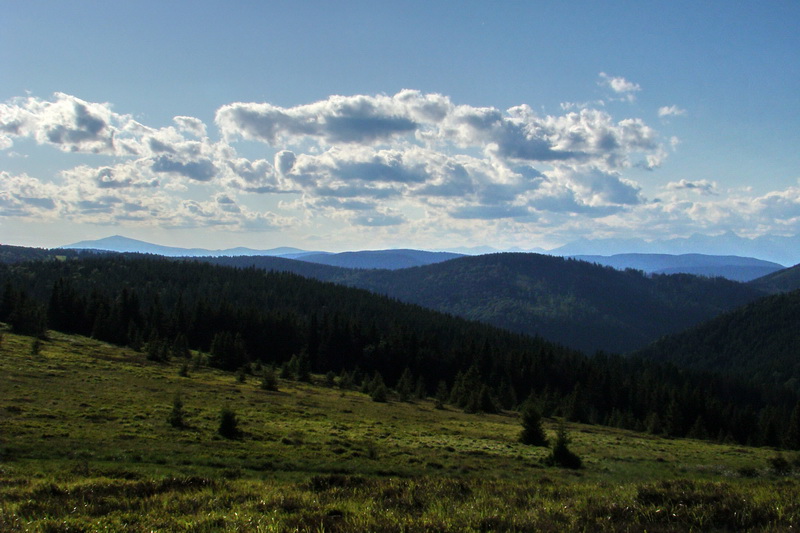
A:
[85,445]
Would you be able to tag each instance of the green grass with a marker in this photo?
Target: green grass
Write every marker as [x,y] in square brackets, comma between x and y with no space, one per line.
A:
[85,445]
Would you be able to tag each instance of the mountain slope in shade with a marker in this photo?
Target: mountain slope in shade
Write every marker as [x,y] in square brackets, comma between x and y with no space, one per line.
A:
[118,243]
[727,266]
[759,341]
[387,259]
[785,280]
[577,304]
[580,305]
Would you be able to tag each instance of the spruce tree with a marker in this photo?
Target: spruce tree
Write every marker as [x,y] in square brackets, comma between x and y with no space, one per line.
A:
[442,394]
[175,417]
[268,380]
[561,454]
[228,424]
[405,386]
[792,439]
[378,391]
[532,430]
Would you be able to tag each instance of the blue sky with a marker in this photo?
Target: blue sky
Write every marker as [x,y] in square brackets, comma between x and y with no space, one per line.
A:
[416,124]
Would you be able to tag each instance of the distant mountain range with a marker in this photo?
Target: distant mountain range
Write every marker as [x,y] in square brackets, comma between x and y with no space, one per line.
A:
[118,243]
[732,267]
[783,250]
[389,259]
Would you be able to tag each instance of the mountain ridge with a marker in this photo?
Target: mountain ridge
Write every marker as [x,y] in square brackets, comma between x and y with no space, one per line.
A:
[736,267]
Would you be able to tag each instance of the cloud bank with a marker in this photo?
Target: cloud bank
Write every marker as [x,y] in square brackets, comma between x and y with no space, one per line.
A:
[413,165]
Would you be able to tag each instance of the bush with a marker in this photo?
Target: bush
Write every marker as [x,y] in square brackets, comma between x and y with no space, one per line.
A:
[779,464]
[228,424]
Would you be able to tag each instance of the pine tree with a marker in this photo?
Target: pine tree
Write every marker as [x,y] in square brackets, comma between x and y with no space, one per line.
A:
[378,391]
[228,424]
[793,430]
[405,386]
[175,417]
[561,454]
[180,347]
[442,394]
[532,430]
[698,429]
[268,380]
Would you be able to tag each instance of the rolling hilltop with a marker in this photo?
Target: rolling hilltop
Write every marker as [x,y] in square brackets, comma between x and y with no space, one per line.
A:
[581,305]
[728,266]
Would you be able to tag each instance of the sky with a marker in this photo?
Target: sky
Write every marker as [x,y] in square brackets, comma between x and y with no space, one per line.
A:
[368,125]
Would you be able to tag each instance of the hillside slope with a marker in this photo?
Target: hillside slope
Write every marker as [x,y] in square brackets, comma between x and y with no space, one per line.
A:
[760,341]
[580,305]
[785,280]
[577,304]
[87,445]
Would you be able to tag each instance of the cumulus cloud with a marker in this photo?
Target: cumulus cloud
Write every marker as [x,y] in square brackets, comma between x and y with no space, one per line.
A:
[202,170]
[619,85]
[69,123]
[671,111]
[191,125]
[377,219]
[339,119]
[26,197]
[699,186]
[410,162]
[488,212]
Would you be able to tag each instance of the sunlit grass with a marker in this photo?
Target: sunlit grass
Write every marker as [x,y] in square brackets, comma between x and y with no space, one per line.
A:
[85,445]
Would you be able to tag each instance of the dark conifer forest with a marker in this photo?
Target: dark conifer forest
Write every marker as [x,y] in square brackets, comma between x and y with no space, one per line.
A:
[241,316]
[582,305]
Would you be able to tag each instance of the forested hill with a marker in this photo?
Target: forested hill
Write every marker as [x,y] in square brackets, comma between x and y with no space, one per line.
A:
[760,341]
[785,280]
[239,317]
[578,304]
[19,254]
[581,305]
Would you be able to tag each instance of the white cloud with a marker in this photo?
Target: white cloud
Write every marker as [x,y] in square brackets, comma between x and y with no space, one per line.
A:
[619,85]
[411,164]
[671,111]
[699,186]
[191,125]
[71,124]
